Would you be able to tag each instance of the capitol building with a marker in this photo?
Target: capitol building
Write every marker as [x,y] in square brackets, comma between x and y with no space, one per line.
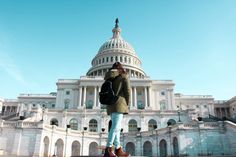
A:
[72,122]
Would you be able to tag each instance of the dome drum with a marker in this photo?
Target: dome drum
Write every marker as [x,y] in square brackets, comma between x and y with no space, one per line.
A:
[101,70]
[110,59]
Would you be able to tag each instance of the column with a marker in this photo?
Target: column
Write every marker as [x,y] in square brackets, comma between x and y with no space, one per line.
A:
[99,104]
[80,96]
[95,97]
[135,97]
[149,96]
[172,99]
[168,99]
[145,95]
[131,97]
[84,97]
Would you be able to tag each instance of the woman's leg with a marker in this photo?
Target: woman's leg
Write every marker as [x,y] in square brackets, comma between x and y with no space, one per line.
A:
[114,133]
[117,137]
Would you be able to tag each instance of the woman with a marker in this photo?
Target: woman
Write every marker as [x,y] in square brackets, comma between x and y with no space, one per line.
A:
[121,87]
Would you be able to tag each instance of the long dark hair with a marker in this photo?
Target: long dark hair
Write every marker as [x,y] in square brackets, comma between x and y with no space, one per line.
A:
[119,67]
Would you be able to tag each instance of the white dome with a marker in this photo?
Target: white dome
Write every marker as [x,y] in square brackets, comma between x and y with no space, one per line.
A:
[116,49]
[115,43]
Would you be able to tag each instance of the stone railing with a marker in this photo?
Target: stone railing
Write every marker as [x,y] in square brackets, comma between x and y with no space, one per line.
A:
[92,77]
[19,124]
[196,96]
[162,81]
[211,125]
[9,124]
[11,100]
[189,125]
[67,81]
[30,124]
[37,95]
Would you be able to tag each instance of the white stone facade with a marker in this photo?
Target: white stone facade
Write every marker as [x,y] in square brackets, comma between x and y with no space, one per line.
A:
[72,122]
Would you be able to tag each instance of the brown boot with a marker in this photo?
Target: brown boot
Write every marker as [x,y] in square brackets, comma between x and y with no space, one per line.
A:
[109,152]
[120,153]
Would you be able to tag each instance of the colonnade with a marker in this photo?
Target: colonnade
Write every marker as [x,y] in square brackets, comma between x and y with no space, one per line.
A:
[83,92]
[7,110]
[222,112]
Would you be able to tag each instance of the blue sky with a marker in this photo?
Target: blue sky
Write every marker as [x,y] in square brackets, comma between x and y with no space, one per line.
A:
[192,42]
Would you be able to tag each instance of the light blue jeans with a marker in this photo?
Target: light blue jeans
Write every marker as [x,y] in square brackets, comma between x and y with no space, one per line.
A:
[114,133]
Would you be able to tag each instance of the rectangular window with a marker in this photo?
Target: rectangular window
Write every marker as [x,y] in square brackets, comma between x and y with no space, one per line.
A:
[67,92]
[139,93]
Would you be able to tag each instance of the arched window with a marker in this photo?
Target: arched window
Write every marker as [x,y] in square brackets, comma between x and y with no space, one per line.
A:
[75,149]
[152,125]
[54,121]
[163,148]
[74,124]
[130,148]
[46,146]
[93,151]
[59,146]
[172,121]
[133,125]
[147,148]
[93,125]
[175,147]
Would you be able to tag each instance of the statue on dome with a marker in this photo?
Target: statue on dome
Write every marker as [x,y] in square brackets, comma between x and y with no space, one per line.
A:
[117,21]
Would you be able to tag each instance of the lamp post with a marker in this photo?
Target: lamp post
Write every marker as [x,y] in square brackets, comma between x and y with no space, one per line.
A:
[67,127]
[103,130]
[169,131]
[179,115]
[52,138]
[85,128]
[54,154]
[139,129]
[157,142]
[179,109]
[199,134]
